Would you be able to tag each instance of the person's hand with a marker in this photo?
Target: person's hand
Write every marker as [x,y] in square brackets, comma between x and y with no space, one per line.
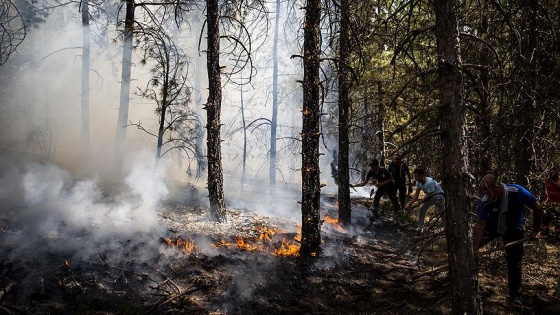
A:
[535,235]
[351,186]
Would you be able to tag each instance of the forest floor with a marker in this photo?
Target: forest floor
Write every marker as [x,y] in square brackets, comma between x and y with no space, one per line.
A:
[246,266]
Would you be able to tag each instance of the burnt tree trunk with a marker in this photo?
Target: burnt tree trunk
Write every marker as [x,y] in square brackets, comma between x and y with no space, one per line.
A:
[462,266]
[311,189]
[344,207]
[213,107]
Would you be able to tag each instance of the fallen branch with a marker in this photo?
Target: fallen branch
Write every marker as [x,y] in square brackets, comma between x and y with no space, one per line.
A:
[170,299]
[445,266]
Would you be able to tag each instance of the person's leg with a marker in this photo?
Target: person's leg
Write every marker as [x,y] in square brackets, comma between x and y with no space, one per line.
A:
[514,256]
[422,215]
[440,206]
[402,193]
[376,198]
[392,192]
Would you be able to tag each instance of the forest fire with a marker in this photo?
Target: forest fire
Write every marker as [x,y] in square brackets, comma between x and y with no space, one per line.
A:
[270,240]
[187,246]
[334,222]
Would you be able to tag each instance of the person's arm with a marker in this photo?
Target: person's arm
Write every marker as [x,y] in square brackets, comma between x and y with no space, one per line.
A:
[478,232]
[361,184]
[538,214]
[388,181]
[413,200]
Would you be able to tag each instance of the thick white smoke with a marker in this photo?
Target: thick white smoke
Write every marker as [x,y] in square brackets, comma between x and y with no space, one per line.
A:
[43,201]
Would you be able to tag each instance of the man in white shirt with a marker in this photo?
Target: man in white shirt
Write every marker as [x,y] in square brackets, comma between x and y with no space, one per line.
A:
[433,195]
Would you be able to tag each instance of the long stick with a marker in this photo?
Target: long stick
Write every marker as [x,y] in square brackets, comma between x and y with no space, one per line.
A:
[445,266]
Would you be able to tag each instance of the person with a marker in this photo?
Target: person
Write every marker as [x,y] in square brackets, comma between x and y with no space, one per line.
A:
[433,195]
[552,189]
[401,174]
[385,185]
[500,212]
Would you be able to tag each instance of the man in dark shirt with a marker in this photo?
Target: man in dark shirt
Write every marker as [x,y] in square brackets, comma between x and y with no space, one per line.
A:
[500,213]
[385,184]
[401,174]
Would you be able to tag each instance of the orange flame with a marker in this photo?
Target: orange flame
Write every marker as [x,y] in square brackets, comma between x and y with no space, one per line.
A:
[334,222]
[187,246]
[242,244]
[287,249]
[221,243]
[265,233]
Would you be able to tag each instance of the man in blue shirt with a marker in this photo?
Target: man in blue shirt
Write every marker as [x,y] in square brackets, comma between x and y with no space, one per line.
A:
[500,213]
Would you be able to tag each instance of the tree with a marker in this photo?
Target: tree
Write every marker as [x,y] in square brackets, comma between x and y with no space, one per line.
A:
[344,208]
[213,108]
[179,7]
[167,87]
[86,35]
[311,186]
[274,120]
[122,120]
[462,266]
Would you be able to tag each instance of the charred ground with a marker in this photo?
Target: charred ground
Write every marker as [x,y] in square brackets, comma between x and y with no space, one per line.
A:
[364,269]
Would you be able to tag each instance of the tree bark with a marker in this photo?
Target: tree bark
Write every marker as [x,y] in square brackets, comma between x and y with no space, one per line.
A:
[86,48]
[527,63]
[462,266]
[213,108]
[344,206]
[199,146]
[125,80]
[311,189]
[274,120]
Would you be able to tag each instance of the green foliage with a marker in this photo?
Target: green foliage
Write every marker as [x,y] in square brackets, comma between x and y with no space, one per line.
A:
[510,82]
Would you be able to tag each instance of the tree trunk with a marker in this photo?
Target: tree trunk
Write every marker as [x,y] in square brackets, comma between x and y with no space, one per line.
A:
[344,207]
[380,125]
[274,121]
[527,63]
[213,108]
[85,77]
[199,146]
[125,80]
[462,266]
[244,170]
[482,120]
[311,190]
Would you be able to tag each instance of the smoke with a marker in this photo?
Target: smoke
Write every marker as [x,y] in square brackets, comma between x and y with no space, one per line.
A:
[42,201]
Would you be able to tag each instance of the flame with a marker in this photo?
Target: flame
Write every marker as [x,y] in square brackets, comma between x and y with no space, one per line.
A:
[244,245]
[264,243]
[221,243]
[287,248]
[265,233]
[334,222]
[187,246]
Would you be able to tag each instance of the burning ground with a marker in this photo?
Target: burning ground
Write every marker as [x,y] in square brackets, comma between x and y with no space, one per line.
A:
[181,262]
